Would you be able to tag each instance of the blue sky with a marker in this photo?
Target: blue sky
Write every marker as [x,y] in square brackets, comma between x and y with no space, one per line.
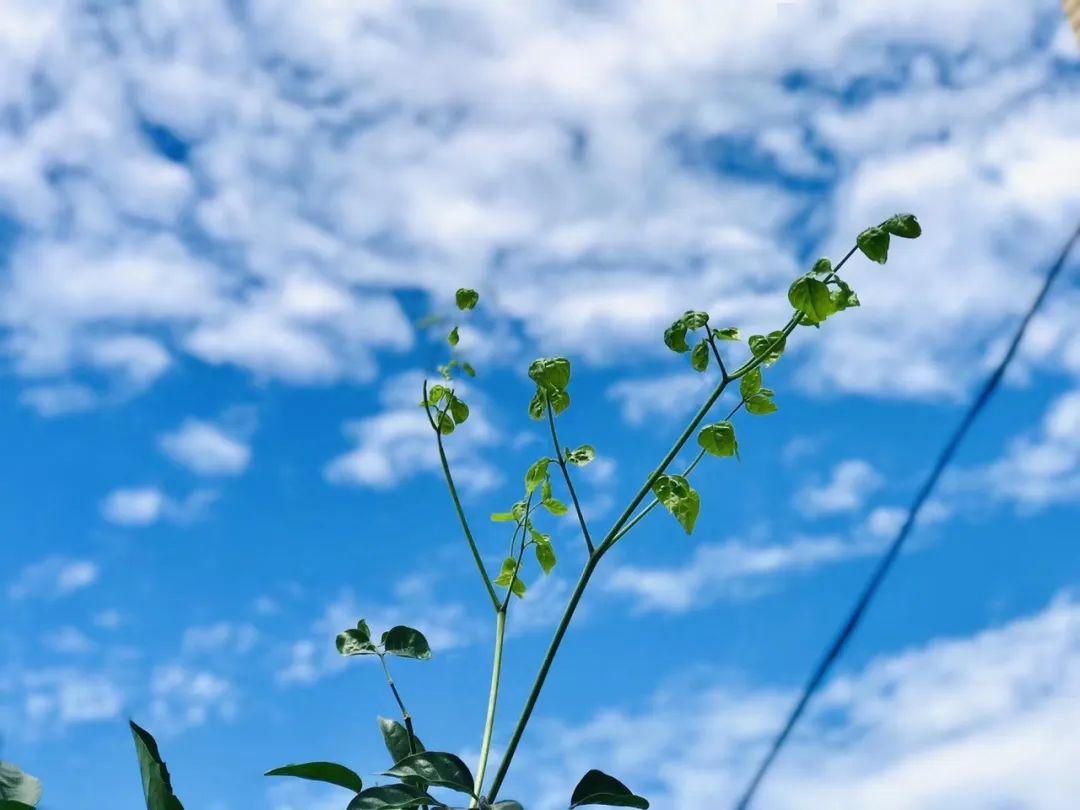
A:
[220,221]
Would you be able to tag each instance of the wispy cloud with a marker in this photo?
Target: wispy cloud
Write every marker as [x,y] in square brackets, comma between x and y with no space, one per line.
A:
[52,578]
[851,482]
[139,507]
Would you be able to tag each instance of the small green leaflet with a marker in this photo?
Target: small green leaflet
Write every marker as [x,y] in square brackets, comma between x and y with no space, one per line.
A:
[844,297]
[822,267]
[597,787]
[466,298]
[750,383]
[550,373]
[406,642]
[770,347]
[906,226]
[356,642]
[699,358]
[17,786]
[157,785]
[729,333]
[329,772]
[874,243]
[458,409]
[391,797]
[761,403]
[555,506]
[582,456]
[719,439]
[545,555]
[453,338]
[436,394]
[812,298]
[679,498]
[508,578]
[436,768]
[536,475]
[675,337]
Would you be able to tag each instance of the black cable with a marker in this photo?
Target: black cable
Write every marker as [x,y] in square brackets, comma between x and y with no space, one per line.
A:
[883,567]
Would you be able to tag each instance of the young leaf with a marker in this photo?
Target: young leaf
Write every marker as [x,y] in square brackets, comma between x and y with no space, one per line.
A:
[396,738]
[582,456]
[453,338]
[761,403]
[874,243]
[545,555]
[750,383]
[812,298]
[679,498]
[468,369]
[555,506]
[699,358]
[436,393]
[458,409]
[770,346]
[719,439]
[503,517]
[355,642]
[536,475]
[508,578]
[405,642]
[445,423]
[560,401]
[157,785]
[675,337]
[17,786]
[466,298]
[550,373]
[436,768]
[905,226]
[391,797]
[728,333]
[328,772]
[695,320]
[596,787]
[822,267]
[844,297]
[538,404]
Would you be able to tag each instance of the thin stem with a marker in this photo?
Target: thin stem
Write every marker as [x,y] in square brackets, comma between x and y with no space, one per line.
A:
[566,477]
[457,505]
[716,353]
[493,700]
[401,704]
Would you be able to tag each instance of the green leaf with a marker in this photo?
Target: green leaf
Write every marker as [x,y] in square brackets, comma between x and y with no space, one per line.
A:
[503,517]
[356,642]
[719,439]
[396,738]
[582,456]
[536,475]
[550,373]
[508,578]
[328,772]
[453,338]
[699,358]
[770,347]
[11,804]
[675,337]
[445,423]
[545,555]
[874,243]
[391,797]
[750,383]
[436,768]
[905,226]
[761,404]
[17,786]
[560,401]
[728,333]
[844,297]
[812,298]
[822,267]
[406,642]
[458,409]
[538,404]
[468,369]
[436,394]
[596,787]
[509,804]
[695,320]
[679,498]
[555,506]
[466,298]
[157,785]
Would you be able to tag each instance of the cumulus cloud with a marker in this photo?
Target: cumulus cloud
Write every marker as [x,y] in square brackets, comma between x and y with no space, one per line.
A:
[206,448]
[845,491]
[52,578]
[139,507]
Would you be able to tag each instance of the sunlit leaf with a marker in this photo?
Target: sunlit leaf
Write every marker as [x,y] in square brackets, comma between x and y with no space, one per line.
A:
[458,409]
[699,358]
[761,404]
[550,373]
[581,456]
[675,337]
[678,497]
[436,768]
[874,243]
[770,347]
[822,267]
[466,298]
[329,772]
[545,555]
[555,506]
[728,333]
[508,578]
[812,298]
[536,475]
[719,439]
[453,338]
[750,383]
[18,786]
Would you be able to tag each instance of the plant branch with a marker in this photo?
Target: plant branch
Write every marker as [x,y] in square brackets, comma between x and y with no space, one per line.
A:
[401,704]
[493,700]
[566,477]
[457,504]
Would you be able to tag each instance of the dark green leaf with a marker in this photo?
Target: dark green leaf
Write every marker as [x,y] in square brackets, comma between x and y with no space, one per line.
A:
[445,423]
[750,383]
[675,337]
[436,768]
[596,787]
[699,358]
[11,804]
[355,642]
[770,346]
[406,642]
[17,786]
[466,298]
[396,738]
[761,404]
[551,373]
[582,456]
[719,439]
[729,333]
[874,243]
[679,498]
[328,772]
[812,298]
[508,578]
[545,555]
[157,785]
[822,267]
[905,226]
[536,475]
[453,338]
[538,404]
[391,797]
[458,409]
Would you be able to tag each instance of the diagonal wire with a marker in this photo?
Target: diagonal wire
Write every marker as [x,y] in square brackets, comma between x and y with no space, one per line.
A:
[887,560]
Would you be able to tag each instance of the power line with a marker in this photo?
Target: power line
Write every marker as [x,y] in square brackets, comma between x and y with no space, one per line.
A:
[887,560]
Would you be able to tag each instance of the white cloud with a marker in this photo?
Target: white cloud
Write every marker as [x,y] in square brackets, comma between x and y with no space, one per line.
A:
[182,698]
[846,491]
[664,397]
[68,641]
[52,578]
[206,448]
[59,697]
[139,507]
[223,636]
[966,723]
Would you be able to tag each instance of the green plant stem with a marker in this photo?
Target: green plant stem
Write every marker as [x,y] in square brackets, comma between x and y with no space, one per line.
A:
[457,505]
[493,701]
[566,477]
[405,716]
